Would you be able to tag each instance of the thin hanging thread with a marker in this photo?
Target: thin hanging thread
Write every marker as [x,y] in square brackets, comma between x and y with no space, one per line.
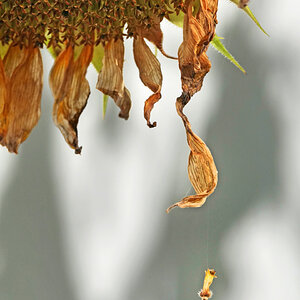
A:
[207,235]
[188,191]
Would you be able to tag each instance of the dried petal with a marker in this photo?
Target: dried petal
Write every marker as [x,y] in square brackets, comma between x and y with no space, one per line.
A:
[202,170]
[110,80]
[21,100]
[150,74]
[154,35]
[71,91]
[198,31]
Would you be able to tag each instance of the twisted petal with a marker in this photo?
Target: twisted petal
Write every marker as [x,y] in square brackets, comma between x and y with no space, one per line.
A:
[71,91]
[198,31]
[202,170]
[20,98]
[110,80]
[155,35]
[150,74]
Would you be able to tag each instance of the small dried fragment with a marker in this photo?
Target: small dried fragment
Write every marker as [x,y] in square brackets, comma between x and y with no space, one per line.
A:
[206,293]
[150,74]
[71,91]
[243,3]
[202,170]
[21,81]
[110,80]
[198,31]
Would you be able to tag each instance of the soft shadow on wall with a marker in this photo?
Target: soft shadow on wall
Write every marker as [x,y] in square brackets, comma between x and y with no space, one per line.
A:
[31,246]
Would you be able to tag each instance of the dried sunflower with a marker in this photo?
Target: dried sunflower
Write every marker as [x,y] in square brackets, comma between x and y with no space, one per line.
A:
[78,32]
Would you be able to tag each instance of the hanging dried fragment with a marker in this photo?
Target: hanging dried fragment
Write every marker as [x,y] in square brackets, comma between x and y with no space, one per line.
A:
[154,35]
[206,293]
[21,81]
[71,91]
[202,170]
[150,74]
[198,31]
[110,80]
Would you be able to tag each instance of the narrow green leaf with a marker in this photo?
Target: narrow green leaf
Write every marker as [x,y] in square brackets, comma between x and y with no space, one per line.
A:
[217,44]
[250,14]
[177,19]
[105,100]
[3,50]
[97,62]
[97,57]
[77,51]
[248,11]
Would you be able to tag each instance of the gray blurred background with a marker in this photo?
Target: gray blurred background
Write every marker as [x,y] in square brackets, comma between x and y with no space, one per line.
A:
[94,227]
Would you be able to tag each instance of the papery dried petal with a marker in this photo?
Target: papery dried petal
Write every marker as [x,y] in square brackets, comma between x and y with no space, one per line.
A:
[110,80]
[150,74]
[198,31]
[60,79]
[71,91]
[21,106]
[155,35]
[202,170]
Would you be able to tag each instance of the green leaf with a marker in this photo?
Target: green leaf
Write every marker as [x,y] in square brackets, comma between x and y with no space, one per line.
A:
[97,62]
[177,19]
[97,57]
[104,107]
[248,11]
[250,14]
[217,44]
[3,50]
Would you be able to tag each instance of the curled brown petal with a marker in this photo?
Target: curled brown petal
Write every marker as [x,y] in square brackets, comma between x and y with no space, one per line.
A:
[110,80]
[155,35]
[23,70]
[150,74]
[198,31]
[71,91]
[202,170]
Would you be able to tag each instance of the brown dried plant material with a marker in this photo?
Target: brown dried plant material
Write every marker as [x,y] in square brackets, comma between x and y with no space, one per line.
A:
[150,74]
[154,34]
[202,170]
[206,293]
[71,91]
[198,31]
[243,3]
[21,81]
[110,80]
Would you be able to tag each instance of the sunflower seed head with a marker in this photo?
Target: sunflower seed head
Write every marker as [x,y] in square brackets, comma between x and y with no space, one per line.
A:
[25,22]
